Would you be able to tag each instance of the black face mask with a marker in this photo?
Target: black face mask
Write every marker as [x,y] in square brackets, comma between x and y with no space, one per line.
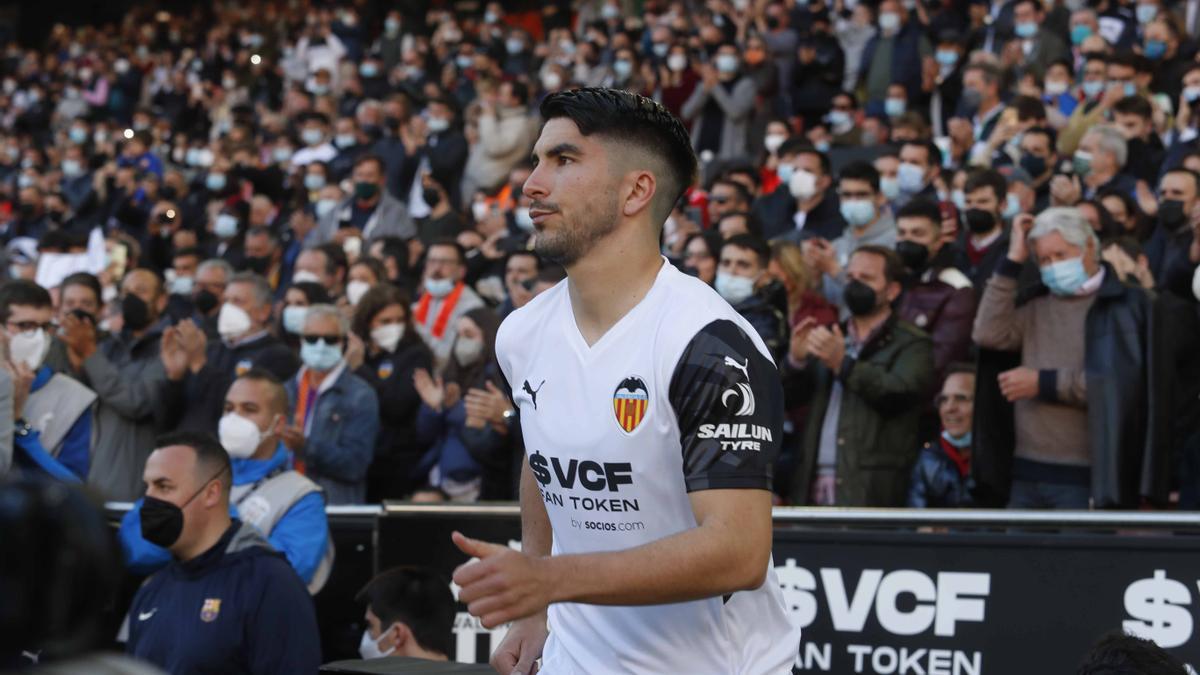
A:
[135,312]
[432,197]
[26,210]
[162,521]
[913,255]
[205,301]
[259,264]
[169,193]
[979,221]
[860,298]
[1171,215]
[1036,166]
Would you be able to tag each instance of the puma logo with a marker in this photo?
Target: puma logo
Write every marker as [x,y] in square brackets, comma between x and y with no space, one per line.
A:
[729,361]
[533,392]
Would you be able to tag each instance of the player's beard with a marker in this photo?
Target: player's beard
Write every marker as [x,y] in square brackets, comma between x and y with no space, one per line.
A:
[572,240]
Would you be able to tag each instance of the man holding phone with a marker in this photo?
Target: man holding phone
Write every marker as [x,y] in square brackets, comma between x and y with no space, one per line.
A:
[520,274]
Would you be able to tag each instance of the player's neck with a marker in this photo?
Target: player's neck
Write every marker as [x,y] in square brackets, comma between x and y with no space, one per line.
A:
[609,281]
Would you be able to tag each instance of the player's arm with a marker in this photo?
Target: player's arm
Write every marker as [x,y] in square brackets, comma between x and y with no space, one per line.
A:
[536,535]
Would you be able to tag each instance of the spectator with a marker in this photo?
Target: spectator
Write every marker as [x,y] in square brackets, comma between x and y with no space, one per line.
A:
[520,271]
[898,53]
[267,619]
[805,204]
[1074,393]
[52,412]
[441,152]
[446,297]
[726,197]
[336,420]
[941,476]
[864,387]
[743,280]
[506,133]
[720,106]
[1036,42]
[370,213]
[984,238]
[212,278]
[790,268]
[702,252]
[920,166]
[325,265]
[79,295]
[296,301]
[385,352]
[410,612]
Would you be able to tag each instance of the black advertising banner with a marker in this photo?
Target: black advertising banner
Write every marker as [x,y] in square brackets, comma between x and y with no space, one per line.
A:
[910,603]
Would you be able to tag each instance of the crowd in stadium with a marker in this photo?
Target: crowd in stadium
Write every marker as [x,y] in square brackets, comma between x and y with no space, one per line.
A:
[968,232]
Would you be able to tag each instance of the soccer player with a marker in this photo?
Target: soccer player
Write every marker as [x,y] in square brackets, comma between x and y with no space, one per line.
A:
[651,413]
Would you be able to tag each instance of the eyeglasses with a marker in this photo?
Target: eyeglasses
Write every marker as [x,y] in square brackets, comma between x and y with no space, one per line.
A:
[327,339]
[961,399]
[718,199]
[26,326]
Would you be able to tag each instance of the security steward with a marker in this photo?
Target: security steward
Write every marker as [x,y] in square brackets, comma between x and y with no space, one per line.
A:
[228,602]
[286,507]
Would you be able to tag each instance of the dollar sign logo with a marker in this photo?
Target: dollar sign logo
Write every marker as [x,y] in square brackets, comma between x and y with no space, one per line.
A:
[1155,605]
[537,464]
[795,583]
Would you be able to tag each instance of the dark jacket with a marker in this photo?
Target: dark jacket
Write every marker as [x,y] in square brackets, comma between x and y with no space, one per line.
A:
[941,301]
[980,272]
[240,605]
[877,429]
[205,390]
[905,61]
[766,310]
[1128,430]
[391,475]
[938,480]
[776,213]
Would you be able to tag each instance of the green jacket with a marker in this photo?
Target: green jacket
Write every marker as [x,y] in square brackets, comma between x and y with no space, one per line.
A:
[883,391]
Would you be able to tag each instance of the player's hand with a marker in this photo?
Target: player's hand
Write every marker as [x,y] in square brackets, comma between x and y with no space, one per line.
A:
[1019,384]
[503,585]
[522,646]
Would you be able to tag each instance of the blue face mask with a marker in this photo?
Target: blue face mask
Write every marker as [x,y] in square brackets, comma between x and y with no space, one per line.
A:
[1026,30]
[314,181]
[215,182]
[858,212]
[225,226]
[1155,49]
[1080,33]
[785,171]
[320,356]
[439,288]
[293,319]
[1093,88]
[78,135]
[1012,206]
[911,178]
[839,118]
[1065,277]
[1146,13]
[946,57]
[890,187]
[961,442]
[894,107]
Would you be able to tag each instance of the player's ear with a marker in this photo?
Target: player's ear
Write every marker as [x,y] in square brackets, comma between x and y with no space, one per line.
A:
[640,188]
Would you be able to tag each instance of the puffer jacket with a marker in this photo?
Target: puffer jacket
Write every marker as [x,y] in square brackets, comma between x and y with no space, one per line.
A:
[938,480]
[941,302]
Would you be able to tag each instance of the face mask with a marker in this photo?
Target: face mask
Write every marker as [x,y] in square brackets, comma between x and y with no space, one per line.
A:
[858,212]
[913,255]
[162,521]
[259,264]
[1025,30]
[1171,214]
[233,321]
[772,142]
[610,11]
[239,436]
[215,182]
[514,46]
[181,285]
[894,107]
[392,26]
[293,319]
[78,136]
[344,141]
[785,173]
[860,298]
[911,177]
[523,220]
[890,187]
[960,442]
[71,168]
[1093,88]
[205,301]
[622,69]
[467,350]
[727,63]
[1056,88]
[676,62]
[364,191]
[1012,206]
[368,70]
[432,197]
[29,347]
[226,226]
[388,336]
[979,221]
[946,57]
[1035,166]
[1082,163]
[551,81]
[355,290]
[1155,49]
[660,49]
[801,184]
[314,181]
[439,288]
[1191,94]
[733,288]
[281,155]
[311,136]
[324,207]
[1064,277]
[971,99]
[135,312]
[1146,13]
[369,649]
[320,356]
[839,119]
[960,199]
[1080,33]
[889,22]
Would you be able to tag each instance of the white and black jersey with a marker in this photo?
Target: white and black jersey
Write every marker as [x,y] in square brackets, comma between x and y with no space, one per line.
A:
[680,395]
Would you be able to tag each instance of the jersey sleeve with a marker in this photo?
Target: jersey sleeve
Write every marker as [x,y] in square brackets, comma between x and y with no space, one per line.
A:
[728,400]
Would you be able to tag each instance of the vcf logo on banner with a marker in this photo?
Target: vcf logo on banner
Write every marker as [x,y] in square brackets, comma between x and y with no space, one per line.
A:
[904,603]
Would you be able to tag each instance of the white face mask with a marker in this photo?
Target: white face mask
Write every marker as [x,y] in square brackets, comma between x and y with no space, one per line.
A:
[239,436]
[772,142]
[303,276]
[733,288]
[368,648]
[355,290]
[388,336]
[467,350]
[802,185]
[29,347]
[233,321]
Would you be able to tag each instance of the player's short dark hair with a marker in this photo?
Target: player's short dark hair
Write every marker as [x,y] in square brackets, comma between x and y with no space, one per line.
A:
[1134,105]
[750,242]
[987,178]
[88,281]
[1121,654]
[922,207]
[211,459]
[863,171]
[417,597]
[893,268]
[459,251]
[635,121]
[24,293]
[278,393]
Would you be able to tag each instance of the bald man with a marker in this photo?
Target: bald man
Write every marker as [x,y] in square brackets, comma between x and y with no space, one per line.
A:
[137,395]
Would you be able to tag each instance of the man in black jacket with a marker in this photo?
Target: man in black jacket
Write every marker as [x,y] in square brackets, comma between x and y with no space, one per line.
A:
[805,204]
[743,281]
